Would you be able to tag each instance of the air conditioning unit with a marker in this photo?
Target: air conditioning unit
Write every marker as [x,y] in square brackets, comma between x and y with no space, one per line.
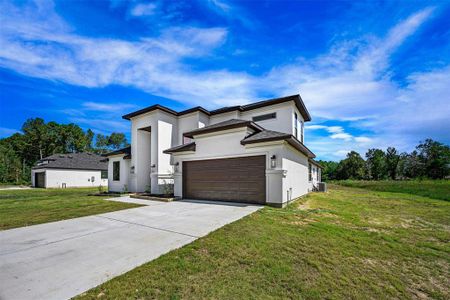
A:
[322,186]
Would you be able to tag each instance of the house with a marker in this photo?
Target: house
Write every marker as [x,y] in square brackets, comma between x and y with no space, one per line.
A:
[248,153]
[70,170]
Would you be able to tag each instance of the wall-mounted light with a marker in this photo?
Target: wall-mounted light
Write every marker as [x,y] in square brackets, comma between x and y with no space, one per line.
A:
[273,161]
[177,164]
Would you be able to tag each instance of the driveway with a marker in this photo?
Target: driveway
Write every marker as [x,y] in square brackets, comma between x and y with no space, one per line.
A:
[60,260]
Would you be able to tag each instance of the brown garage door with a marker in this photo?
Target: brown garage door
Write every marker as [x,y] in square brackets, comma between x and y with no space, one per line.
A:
[240,179]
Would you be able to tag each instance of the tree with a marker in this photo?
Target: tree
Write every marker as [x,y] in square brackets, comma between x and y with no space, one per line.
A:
[117,140]
[376,164]
[101,143]
[35,133]
[392,160]
[89,141]
[434,158]
[329,169]
[410,165]
[351,168]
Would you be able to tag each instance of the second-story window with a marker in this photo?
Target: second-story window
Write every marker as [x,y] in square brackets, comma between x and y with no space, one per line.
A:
[264,117]
[296,125]
[302,128]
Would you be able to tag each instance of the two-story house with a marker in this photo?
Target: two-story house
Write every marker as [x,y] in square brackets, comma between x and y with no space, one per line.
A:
[252,153]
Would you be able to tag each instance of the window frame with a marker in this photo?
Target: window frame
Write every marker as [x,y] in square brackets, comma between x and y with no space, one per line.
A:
[310,172]
[264,117]
[102,174]
[116,171]
[296,125]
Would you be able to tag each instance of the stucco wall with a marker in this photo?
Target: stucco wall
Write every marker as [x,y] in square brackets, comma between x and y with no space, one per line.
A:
[54,178]
[123,183]
[295,183]
[283,121]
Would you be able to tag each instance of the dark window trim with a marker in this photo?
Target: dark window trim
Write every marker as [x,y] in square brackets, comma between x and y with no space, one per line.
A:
[264,117]
[116,172]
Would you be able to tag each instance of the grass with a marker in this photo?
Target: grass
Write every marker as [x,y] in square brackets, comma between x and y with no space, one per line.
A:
[346,244]
[34,206]
[435,189]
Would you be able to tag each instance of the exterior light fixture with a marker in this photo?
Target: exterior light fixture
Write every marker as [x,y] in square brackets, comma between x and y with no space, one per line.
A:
[273,161]
[177,164]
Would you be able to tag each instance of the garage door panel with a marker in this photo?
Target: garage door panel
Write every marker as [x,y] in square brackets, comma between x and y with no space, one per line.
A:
[236,179]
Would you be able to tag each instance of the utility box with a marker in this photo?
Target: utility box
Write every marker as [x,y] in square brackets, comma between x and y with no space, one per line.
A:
[322,186]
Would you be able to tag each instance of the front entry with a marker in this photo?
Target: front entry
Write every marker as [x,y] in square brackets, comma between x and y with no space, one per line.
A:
[241,179]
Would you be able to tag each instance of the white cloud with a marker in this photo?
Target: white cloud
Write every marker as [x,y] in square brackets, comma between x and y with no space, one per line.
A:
[144,9]
[114,107]
[4,132]
[363,139]
[342,136]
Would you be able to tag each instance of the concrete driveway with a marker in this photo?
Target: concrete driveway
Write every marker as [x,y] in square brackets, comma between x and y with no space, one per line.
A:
[60,260]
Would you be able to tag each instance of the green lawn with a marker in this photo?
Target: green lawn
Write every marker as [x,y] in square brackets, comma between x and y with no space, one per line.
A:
[34,206]
[436,189]
[346,244]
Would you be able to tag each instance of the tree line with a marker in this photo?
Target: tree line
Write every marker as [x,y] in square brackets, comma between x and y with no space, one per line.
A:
[430,159]
[38,139]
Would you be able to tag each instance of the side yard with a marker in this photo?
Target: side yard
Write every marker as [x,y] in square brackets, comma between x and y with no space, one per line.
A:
[34,206]
[435,189]
[348,243]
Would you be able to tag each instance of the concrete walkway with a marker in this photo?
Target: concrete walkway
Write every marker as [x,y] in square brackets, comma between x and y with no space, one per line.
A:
[60,260]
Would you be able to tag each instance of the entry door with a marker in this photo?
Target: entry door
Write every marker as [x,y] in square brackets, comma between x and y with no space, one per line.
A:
[240,179]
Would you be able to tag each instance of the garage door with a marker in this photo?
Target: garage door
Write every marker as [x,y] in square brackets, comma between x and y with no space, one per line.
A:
[240,179]
[39,179]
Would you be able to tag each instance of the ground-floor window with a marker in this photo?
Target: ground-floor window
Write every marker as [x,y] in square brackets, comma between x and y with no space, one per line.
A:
[104,174]
[116,171]
[310,172]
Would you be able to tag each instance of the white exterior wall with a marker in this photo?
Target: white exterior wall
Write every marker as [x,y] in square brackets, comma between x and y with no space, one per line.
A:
[54,178]
[224,117]
[124,182]
[295,182]
[282,123]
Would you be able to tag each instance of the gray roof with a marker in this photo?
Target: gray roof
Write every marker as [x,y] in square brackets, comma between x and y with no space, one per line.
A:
[265,135]
[78,161]
[126,151]
[181,148]
[270,135]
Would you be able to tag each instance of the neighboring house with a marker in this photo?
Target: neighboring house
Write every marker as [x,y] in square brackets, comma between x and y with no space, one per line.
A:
[70,170]
[251,153]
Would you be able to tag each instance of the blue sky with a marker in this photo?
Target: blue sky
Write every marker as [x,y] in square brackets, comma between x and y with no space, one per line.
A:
[372,74]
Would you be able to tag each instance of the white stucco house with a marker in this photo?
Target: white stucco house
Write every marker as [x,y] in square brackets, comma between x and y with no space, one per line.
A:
[250,153]
[70,170]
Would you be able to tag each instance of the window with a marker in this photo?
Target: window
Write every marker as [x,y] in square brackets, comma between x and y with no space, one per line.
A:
[264,117]
[310,172]
[302,125]
[116,171]
[296,125]
[318,174]
[104,174]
